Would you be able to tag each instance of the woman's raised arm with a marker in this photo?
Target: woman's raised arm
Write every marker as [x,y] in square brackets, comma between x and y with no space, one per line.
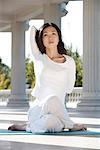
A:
[34,47]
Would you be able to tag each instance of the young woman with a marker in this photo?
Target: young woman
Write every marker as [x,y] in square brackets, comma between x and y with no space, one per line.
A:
[55,76]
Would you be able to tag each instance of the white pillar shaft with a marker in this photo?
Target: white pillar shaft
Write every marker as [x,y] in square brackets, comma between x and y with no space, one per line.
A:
[91,53]
[18,60]
[52,14]
[91,43]
[18,94]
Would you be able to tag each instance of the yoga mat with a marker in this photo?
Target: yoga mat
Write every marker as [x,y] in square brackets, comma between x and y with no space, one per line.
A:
[86,132]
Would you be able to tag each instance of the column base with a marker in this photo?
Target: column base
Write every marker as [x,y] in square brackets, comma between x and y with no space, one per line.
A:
[87,108]
[18,103]
[88,104]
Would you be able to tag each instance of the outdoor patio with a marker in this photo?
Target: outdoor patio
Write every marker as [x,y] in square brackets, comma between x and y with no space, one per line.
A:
[13,17]
[48,142]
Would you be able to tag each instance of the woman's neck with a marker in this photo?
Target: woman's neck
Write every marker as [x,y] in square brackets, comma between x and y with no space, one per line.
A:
[52,53]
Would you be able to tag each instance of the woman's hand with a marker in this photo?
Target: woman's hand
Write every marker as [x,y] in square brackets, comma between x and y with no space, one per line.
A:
[78,127]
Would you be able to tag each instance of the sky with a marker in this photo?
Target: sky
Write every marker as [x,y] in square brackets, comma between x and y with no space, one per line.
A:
[71,27]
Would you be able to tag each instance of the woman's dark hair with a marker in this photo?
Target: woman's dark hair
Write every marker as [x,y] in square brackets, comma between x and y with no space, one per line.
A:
[39,41]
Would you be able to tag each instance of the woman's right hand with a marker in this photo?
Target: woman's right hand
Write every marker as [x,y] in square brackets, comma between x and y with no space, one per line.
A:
[78,127]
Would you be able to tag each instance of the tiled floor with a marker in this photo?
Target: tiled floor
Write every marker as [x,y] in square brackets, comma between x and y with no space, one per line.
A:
[31,146]
[40,142]
[46,142]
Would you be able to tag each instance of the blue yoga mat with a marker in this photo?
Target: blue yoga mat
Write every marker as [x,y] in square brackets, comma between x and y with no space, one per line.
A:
[86,132]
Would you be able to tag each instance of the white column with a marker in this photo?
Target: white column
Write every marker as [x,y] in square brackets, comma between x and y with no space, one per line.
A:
[52,13]
[18,94]
[91,56]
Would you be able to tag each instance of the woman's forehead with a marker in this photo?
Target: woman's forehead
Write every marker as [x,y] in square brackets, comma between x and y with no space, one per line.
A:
[50,28]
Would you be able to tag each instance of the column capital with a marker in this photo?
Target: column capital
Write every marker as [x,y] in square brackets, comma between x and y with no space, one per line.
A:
[62,7]
[24,25]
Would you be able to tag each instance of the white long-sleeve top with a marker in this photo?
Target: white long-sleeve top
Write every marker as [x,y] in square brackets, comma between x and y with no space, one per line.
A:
[52,78]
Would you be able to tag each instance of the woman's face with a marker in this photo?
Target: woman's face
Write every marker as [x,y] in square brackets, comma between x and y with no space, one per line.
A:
[50,37]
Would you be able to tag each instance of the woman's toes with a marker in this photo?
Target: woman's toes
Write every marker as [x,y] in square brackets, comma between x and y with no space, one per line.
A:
[9,128]
[13,128]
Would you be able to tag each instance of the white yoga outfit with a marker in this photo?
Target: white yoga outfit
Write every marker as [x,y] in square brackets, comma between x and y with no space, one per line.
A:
[53,81]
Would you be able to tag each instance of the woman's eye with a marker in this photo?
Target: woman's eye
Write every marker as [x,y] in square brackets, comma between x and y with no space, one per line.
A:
[44,35]
[54,33]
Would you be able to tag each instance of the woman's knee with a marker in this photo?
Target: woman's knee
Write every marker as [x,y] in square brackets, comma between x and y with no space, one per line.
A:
[52,123]
[51,105]
[51,101]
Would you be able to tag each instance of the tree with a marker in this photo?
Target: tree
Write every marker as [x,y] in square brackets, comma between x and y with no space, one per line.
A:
[30,75]
[5,77]
[4,81]
[79,69]
[79,66]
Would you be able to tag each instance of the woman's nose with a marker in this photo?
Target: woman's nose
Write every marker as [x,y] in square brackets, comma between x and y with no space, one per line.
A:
[50,36]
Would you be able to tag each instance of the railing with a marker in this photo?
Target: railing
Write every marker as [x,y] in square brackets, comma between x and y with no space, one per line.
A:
[73,97]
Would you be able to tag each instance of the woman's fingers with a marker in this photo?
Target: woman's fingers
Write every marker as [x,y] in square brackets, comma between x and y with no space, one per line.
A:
[78,127]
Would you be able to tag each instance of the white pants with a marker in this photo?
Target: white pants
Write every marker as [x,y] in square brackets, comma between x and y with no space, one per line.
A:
[48,115]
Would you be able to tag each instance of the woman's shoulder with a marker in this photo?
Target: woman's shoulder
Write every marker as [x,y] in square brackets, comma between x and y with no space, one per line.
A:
[70,61]
[69,58]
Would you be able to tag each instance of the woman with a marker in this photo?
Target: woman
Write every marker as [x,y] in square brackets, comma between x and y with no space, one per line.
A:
[55,76]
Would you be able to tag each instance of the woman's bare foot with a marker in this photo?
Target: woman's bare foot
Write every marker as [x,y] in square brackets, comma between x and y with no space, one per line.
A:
[78,127]
[17,127]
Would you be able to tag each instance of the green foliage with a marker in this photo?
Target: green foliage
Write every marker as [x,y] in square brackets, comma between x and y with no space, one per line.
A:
[30,75]
[5,79]
[79,69]
[79,66]
[5,75]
